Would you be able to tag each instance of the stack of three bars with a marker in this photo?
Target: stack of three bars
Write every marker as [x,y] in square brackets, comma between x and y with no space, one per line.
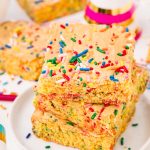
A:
[89,86]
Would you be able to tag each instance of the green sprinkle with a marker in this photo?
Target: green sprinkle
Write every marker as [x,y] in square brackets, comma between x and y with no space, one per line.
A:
[124,106]
[129,148]
[119,54]
[62,67]
[107,26]
[50,60]
[73,59]
[2,73]
[122,141]
[127,47]
[73,39]
[47,147]
[115,112]
[81,79]
[50,73]
[134,124]
[83,56]
[84,84]
[64,71]
[116,73]
[95,63]
[93,116]
[70,123]
[78,59]
[100,50]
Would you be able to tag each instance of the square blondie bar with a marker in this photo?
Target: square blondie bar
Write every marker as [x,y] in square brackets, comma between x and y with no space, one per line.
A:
[46,10]
[22,48]
[88,63]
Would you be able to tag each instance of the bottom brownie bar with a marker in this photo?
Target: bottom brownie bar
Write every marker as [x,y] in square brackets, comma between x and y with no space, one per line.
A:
[52,128]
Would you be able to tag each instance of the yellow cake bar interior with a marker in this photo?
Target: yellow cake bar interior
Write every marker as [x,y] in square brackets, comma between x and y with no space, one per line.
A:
[45,10]
[22,48]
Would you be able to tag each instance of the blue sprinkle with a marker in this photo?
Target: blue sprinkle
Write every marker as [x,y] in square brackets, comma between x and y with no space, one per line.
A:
[61,51]
[51,42]
[31,46]
[7,46]
[60,32]
[28,135]
[82,53]
[90,60]
[127,30]
[67,24]
[5,83]
[112,78]
[103,63]
[61,43]
[38,1]
[84,69]
[44,71]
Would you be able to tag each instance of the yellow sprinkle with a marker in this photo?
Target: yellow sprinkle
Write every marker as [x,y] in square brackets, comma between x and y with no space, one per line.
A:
[90,84]
[16,48]
[17,29]
[71,66]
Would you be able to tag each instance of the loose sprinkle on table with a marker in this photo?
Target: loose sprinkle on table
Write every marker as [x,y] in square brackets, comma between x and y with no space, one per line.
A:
[28,135]
[134,124]
[48,147]
[122,141]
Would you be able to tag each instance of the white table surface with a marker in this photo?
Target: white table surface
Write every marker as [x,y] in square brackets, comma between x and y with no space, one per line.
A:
[10,83]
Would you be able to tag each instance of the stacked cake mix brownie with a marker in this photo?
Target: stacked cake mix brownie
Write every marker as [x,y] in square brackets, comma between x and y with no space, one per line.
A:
[88,87]
[45,10]
[22,47]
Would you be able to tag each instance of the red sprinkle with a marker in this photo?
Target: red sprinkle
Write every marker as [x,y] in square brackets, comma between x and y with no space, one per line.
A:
[75,52]
[91,68]
[53,74]
[98,73]
[106,57]
[66,77]
[62,26]
[124,52]
[105,66]
[49,47]
[91,109]
[122,69]
[91,46]
[80,42]
[70,70]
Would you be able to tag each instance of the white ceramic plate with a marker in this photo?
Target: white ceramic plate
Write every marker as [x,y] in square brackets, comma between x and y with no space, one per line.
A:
[20,125]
